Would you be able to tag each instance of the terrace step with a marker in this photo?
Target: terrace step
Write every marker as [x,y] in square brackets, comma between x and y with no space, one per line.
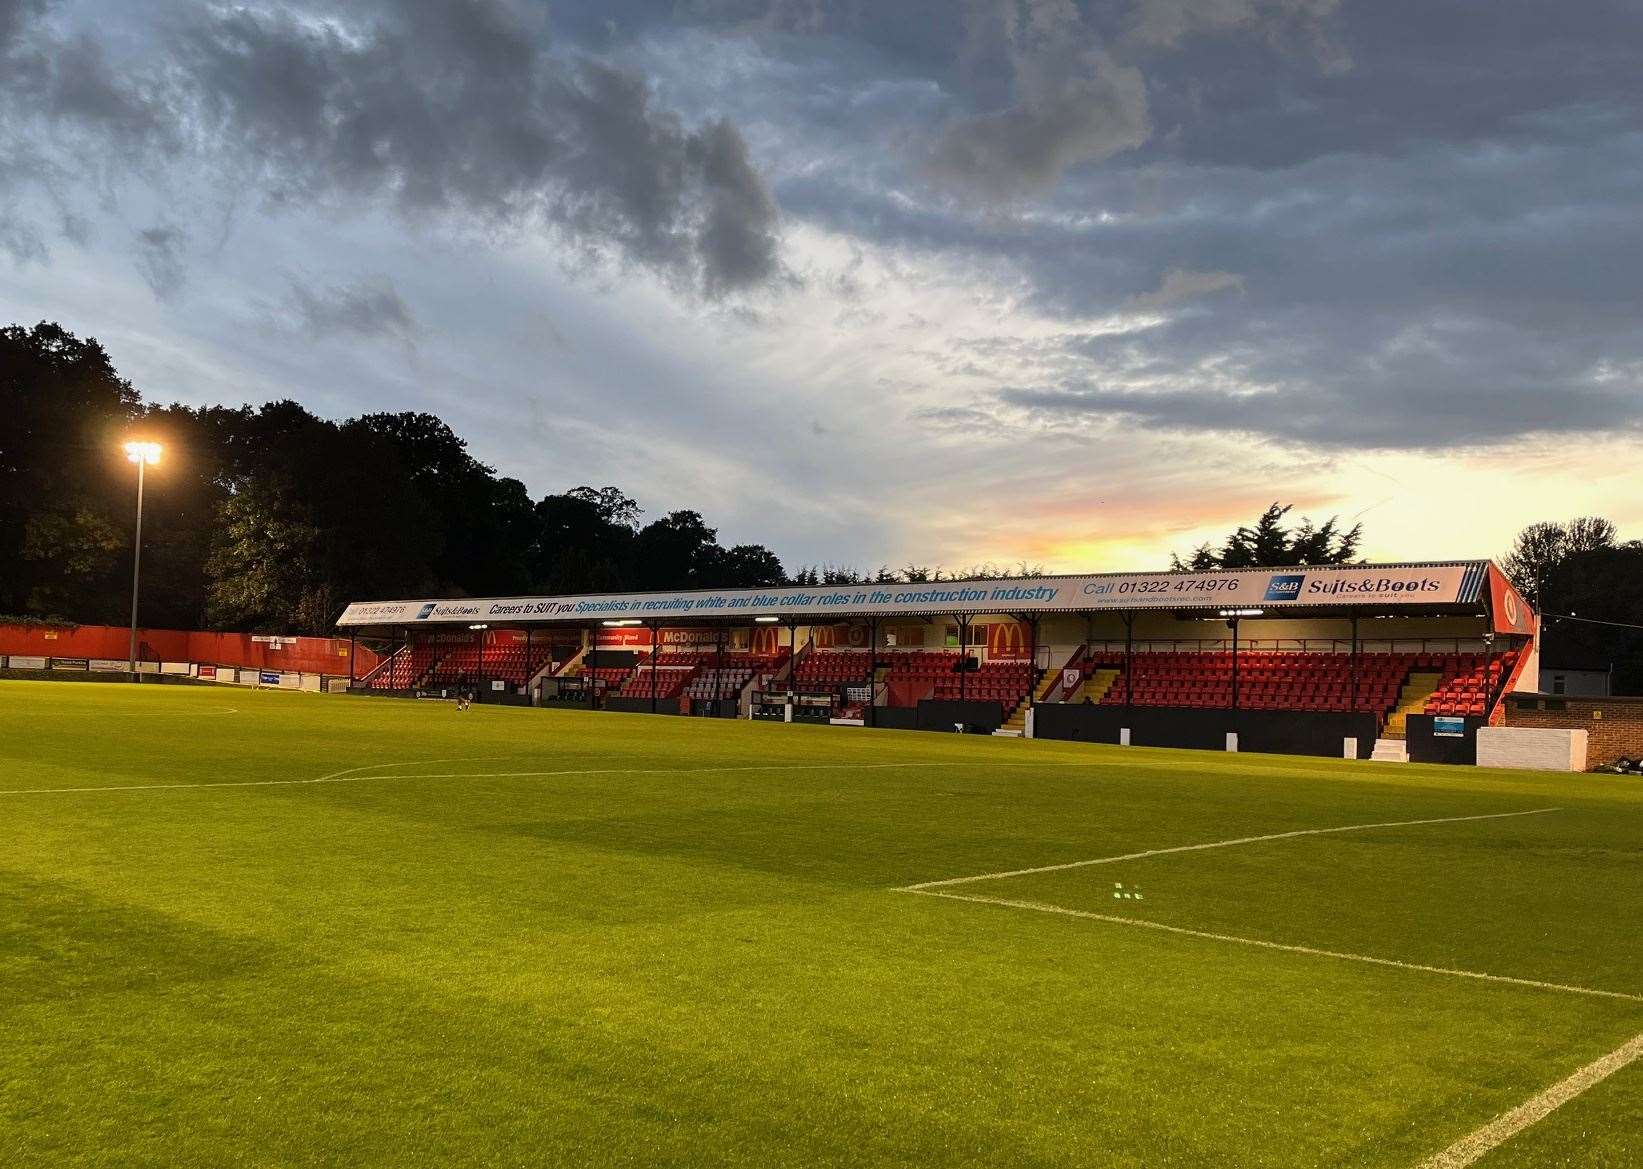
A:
[1417,689]
[1391,751]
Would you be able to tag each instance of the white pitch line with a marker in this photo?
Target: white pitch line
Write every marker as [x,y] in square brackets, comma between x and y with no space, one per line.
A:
[334,777]
[665,770]
[1470,1148]
[351,776]
[1138,923]
[1134,856]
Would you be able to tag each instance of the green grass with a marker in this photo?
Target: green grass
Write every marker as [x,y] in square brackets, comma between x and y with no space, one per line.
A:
[664,960]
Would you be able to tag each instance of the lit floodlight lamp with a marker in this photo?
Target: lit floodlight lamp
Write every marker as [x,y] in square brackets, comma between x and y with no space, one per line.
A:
[622,624]
[1243,612]
[766,620]
[479,627]
[144,454]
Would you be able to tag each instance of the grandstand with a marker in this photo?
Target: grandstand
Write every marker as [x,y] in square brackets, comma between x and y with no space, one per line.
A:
[1322,660]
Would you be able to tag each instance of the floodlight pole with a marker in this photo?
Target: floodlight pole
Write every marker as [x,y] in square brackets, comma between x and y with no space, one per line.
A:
[136,568]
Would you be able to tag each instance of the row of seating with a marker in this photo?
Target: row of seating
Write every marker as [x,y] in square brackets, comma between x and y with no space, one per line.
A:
[505,661]
[404,668]
[1467,682]
[833,667]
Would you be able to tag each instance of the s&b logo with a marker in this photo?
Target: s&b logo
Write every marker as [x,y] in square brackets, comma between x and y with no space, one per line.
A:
[427,611]
[1284,588]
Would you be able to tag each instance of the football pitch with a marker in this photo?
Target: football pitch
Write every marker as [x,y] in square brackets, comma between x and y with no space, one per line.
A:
[249,928]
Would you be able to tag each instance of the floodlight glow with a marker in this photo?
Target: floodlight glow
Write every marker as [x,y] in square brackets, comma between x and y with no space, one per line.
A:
[479,627]
[620,624]
[1242,612]
[767,620]
[143,452]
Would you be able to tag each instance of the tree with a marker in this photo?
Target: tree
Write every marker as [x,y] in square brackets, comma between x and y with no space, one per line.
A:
[1270,544]
[1601,591]
[612,504]
[66,498]
[749,566]
[1541,549]
[262,562]
[677,551]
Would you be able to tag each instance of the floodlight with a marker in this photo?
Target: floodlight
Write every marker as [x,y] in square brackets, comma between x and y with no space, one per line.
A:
[1242,612]
[144,454]
[767,620]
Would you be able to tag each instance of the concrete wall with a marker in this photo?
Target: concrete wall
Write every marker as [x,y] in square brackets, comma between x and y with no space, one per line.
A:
[1532,748]
[1613,726]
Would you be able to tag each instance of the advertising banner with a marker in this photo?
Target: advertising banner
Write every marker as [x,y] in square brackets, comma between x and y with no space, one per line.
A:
[1008,641]
[1381,586]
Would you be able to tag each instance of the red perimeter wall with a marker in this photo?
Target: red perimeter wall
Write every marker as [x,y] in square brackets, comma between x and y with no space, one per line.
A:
[310,655]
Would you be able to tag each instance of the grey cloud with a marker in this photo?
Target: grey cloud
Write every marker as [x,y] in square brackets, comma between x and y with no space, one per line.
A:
[161,259]
[1401,415]
[365,308]
[12,15]
[1071,103]
[1181,284]
[450,108]
[1169,22]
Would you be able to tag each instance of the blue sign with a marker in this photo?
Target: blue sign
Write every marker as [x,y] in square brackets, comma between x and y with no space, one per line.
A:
[1448,727]
[427,610]
[269,677]
[1285,588]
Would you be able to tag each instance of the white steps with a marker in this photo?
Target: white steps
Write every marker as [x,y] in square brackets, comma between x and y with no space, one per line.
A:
[1391,751]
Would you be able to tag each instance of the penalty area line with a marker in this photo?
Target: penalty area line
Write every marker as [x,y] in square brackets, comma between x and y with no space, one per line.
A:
[1135,856]
[1282,947]
[1507,1125]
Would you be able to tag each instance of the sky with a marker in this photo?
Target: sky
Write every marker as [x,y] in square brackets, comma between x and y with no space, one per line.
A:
[872,282]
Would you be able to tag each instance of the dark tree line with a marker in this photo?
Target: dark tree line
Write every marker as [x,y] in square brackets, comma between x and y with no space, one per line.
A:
[1588,586]
[269,518]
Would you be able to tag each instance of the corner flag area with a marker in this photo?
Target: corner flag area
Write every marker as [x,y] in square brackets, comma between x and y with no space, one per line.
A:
[252,927]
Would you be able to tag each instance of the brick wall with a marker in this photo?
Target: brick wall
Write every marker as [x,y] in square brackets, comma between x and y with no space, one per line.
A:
[1613,726]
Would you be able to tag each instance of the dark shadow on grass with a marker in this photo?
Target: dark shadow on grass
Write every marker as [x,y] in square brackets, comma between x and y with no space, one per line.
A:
[58,942]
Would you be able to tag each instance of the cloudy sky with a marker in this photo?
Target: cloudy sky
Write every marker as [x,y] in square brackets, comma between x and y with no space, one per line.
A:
[1068,281]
